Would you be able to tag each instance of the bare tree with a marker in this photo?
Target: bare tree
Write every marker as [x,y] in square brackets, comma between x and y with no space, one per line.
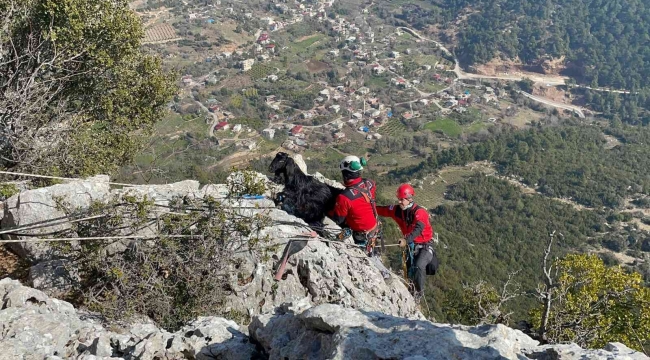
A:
[545,291]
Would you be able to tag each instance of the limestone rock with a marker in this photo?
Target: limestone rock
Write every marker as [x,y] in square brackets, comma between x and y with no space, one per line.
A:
[38,205]
[32,326]
[334,332]
[53,276]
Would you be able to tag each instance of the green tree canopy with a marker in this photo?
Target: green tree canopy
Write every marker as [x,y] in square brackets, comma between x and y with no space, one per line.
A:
[77,92]
[595,304]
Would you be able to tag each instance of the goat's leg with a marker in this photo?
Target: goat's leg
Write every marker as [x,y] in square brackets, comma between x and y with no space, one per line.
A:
[319,227]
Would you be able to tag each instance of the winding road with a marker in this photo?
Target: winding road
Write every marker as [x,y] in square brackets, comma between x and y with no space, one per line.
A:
[546,80]
[575,109]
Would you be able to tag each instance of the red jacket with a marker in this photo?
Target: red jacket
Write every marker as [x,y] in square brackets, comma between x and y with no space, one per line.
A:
[414,222]
[353,209]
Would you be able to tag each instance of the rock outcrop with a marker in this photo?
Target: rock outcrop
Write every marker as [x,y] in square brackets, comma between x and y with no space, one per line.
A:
[35,326]
[322,272]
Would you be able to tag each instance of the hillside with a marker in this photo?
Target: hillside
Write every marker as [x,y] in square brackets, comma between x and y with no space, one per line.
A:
[331,303]
[603,41]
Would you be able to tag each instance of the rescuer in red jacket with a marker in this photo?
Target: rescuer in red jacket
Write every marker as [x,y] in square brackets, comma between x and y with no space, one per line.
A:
[355,206]
[413,221]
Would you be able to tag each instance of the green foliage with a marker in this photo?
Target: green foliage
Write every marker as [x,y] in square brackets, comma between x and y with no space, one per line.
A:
[171,279]
[236,101]
[607,39]
[477,304]
[8,190]
[246,183]
[89,75]
[495,230]
[567,162]
[447,126]
[259,71]
[594,304]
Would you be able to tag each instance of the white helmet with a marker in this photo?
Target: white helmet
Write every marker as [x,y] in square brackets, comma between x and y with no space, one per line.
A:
[352,163]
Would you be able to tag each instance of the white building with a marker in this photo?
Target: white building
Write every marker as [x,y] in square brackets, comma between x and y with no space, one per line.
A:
[247,64]
[268,133]
[236,128]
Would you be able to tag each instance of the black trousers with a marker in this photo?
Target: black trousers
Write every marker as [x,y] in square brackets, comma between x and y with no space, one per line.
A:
[422,256]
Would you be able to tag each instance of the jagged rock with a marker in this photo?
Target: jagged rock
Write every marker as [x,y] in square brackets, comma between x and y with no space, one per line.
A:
[34,326]
[301,163]
[575,352]
[53,276]
[333,332]
[33,206]
[323,272]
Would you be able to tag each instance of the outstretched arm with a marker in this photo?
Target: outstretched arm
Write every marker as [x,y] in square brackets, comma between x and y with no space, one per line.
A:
[386,211]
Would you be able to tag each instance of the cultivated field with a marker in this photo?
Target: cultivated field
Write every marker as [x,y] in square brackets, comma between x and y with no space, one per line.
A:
[158,33]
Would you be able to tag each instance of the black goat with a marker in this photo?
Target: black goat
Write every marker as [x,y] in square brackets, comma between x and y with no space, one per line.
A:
[303,195]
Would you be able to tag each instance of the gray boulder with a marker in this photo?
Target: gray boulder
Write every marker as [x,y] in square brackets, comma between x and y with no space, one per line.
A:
[334,332]
[34,326]
[36,206]
[322,272]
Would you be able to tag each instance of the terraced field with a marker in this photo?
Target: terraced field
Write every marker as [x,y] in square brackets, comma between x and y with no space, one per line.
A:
[158,33]
[259,71]
[393,128]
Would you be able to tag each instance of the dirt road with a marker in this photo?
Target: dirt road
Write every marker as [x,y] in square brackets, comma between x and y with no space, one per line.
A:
[576,109]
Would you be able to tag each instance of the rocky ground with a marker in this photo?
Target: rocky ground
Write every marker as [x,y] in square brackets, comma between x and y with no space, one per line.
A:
[332,304]
[35,326]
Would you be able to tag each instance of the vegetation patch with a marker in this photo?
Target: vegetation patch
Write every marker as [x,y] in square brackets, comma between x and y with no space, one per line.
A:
[394,127]
[447,126]
[315,66]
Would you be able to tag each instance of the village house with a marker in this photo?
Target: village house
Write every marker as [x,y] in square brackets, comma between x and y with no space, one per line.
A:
[307,115]
[357,116]
[263,39]
[236,128]
[272,78]
[268,133]
[378,69]
[296,130]
[339,135]
[335,108]
[222,126]
[426,67]
[363,90]
[247,64]
[377,136]
[395,54]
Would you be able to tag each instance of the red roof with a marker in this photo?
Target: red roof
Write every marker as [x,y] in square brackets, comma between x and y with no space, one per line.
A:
[462,102]
[221,125]
[270,46]
[296,129]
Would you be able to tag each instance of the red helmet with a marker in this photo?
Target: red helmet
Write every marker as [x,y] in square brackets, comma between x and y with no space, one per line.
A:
[405,191]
